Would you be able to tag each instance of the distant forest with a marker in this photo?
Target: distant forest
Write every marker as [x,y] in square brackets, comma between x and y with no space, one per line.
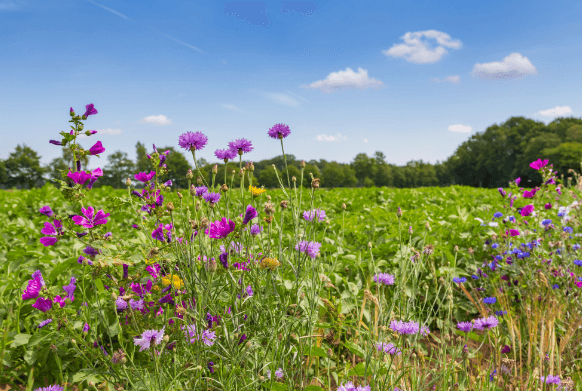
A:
[487,159]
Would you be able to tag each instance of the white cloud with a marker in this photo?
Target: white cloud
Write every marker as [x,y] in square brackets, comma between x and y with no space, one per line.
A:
[116,122]
[158,120]
[365,140]
[513,66]
[460,128]
[556,111]
[418,52]
[281,98]
[331,138]
[347,78]
[7,6]
[232,107]
[456,79]
[109,9]
[109,131]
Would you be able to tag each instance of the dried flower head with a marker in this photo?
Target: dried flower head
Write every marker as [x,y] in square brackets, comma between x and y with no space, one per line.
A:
[269,263]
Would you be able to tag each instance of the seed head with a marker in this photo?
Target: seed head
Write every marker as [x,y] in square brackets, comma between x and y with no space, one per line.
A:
[284,204]
[170,206]
[315,183]
[269,209]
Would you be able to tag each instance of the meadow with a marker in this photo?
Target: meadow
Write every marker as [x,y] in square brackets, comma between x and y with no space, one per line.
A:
[218,287]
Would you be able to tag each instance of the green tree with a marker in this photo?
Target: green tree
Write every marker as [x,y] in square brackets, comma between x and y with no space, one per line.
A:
[23,169]
[142,163]
[338,175]
[564,157]
[178,166]
[363,167]
[3,173]
[119,167]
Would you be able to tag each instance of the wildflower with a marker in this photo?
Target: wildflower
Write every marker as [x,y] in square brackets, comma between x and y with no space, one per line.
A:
[486,323]
[192,141]
[44,323]
[459,280]
[121,304]
[86,328]
[577,262]
[311,248]
[529,194]
[491,375]
[91,218]
[46,210]
[210,366]
[89,110]
[55,142]
[309,215]
[250,214]
[118,357]
[249,291]
[497,215]
[502,192]
[136,304]
[158,233]
[527,210]
[256,229]
[384,278]
[166,299]
[568,229]
[389,348]
[555,286]
[208,337]
[255,191]
[97,148]
[551,379]
[474,277]
[514,232]
[144,176]
[200,191]
[176,281]
[242,338]
[279,131]
[70,289]
[465,326]
[404,327]
[34,286]
[546,222]
[225,154]
[269,263]
[241,146]
[223,258]
[500,313]
[54,387]
[220,228]
[490,300]
[147,337]
[211,198]
[538,164]
[506,349]
[42,304]
[53,230]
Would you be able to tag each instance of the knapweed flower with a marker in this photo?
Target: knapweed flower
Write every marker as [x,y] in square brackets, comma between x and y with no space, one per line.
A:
[250,214]
[192,141]
[144,176]
[97,148]
[465,327]
[208,337]
[310,248]
[389,348]
[53,230]
[309,215]
[279,131]
[241,146]
[486,323]
[91,218]
[211,198]
[384,278]
[538,164]
[47,211]
[402,327]
[220,228]
[490,300]
[269,263]
[349,386]
[551,379]
[527,210]
[459,280]
[256,229]
[34,286]
[90,251]
[54,387]
[225,154]
[255,191]
[148,337]
[120,304]
[497,215]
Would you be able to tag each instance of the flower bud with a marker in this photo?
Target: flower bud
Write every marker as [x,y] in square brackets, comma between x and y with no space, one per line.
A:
[344,207]
[241,173]
[166,338]
[215,169]
[199,180]
[456,248]
[122,360]
[294,179]
[369,244]
[128,182]
[427,226]
[410,230]
[189,174]
[249,344]
[84,117]
[180,196]
[302,164]
[80,127]
[284,204]
[170,206]
[224,188]
[192,190]
[74,342]
[250,166]
[399,213]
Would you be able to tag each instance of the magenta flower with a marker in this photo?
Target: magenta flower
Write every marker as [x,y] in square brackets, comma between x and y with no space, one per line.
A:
[50,229]
[279,131]
[530,194]
[70,289]
[225,154]
[91,218]
[89,110]
[517,181]
[486,323]
[148,337]
[514,232]
[42,304]
[79,177]
[144,176]
[90,251]
[96,173]
[55,142]
[34,286]
[48,212]
[97,148]
[60,301]
[548,206]
[527,210]
[502,192]
[538,164]
[240,146]
[154,270]
[506,349]
[250,214]
[192,141]
[200,191]
[310,248]
[220,228]
[158,233]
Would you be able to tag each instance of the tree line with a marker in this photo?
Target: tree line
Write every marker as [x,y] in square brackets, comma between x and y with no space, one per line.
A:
[487,159]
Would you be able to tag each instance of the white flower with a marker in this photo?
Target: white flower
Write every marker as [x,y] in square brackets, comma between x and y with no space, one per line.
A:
[493,224]
[479,220]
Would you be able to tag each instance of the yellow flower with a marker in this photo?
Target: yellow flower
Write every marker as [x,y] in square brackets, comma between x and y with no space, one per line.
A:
[256,191]
[176,281]
[269,263]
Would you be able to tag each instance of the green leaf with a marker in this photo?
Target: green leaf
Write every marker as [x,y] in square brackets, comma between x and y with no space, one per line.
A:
[316,351]
[314,388]
[61,267]
[358,370]
[38,337]
[30,356]
[99,285]
[275,386]
[355,349]
[20,339]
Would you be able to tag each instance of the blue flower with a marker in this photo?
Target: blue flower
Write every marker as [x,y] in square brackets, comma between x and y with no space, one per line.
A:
[459,280]
[494,245]
[500,313]
[555,286]
[547,222]
[497,214]
[474,277]
[578,262]
[499,257]
[576,246]
[512,219]
[560,214]
[568,229]
[490,300]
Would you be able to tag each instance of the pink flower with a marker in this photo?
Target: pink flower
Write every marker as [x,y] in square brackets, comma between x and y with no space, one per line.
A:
[50,229]
[513,232]
[91,219]
[144,176]
[538,164]
[530,194]
[548,206]
[517,181]
[94,175]
[34,286]
[527,210]
[220,228]
[42,304]
[89,110]
[97,148]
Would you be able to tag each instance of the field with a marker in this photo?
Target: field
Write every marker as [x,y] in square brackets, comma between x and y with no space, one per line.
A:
[314,322]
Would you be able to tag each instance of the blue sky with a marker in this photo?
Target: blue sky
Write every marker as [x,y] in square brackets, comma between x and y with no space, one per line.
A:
[413,79]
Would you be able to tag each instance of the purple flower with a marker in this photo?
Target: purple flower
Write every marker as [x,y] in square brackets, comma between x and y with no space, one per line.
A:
[225,154]
[527,210]
[42,304]
[249,291]
[91,218]
[486,323]
[538,164]
[389,348]
[551,379]
[208,337]
[121,304]
[82,258]
[148,337]
[50,229]
[212,198]
[44,323]
[144,176]
[70,289]
[250,214]
[279,131]
[154,270]
[136,193]
[166,299]
[384,278]
[311,248]
[55,142]
[309,215]
[86,328]
[79,177]
[158,233]
[46,210]
[90,251]
[210,366]
[97,148]
[89,110]
[256,229]
[240,146]
[220,228]
[506,349]
[96,173]
[192,141]
[242,338]
[34,286]
[465,326]
[168,183]
[490,300]
[502,192]
[223,258]
[459,280]
[402,327]
[54,387]
[191,332]
[200,191]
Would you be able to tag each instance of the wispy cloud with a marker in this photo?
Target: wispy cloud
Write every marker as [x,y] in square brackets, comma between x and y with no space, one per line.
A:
[281,98]
[456,79]
[233,108]
[556,111]
[156,119]
[110,131]
[418,52]
[175,40]
[513,66]
[109,9]
[331,138]
[7,6]
[347,79]
[297,96]
[460,128]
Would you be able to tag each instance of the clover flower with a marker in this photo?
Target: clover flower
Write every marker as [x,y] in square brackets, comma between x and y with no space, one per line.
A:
[279,131]
[91,218]
[486,323]
[220,228]
[148,337]
[225,154]
[309,215]
[310,248]
[192,141]
[384,278]
[240,146]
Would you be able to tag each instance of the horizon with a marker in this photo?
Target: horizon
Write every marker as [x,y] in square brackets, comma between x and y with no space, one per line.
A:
[347,79]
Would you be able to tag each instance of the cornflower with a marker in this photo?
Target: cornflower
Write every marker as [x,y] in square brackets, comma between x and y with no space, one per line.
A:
[486,323]
[310,248]
[148,337]
[279,131]
[384,278]
[192,141]
[309,215]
